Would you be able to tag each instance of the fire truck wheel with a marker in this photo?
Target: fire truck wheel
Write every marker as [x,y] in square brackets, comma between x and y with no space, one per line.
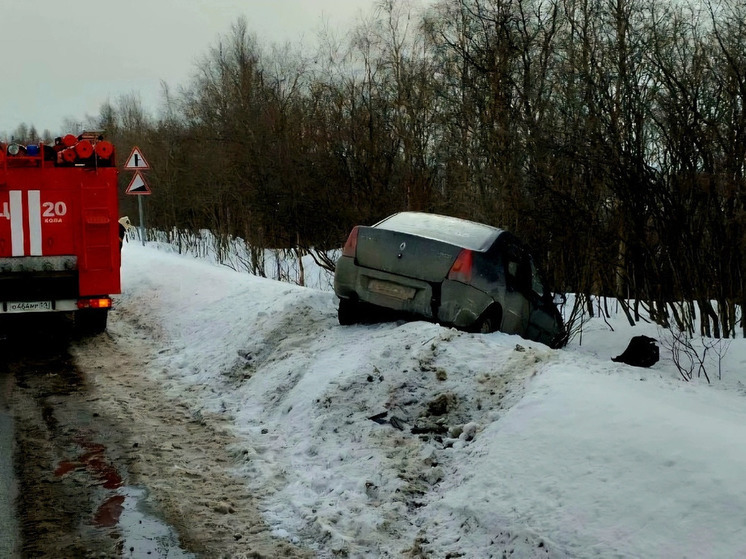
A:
[89,322]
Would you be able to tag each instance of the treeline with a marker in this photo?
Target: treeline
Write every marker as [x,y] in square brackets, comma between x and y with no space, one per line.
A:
[609,134]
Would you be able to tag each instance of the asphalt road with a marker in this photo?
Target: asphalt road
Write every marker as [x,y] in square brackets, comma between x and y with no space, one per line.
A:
[96,463]
[8,523]
[65,486]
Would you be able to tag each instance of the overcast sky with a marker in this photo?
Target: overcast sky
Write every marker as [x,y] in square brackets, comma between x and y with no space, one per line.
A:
[64,59]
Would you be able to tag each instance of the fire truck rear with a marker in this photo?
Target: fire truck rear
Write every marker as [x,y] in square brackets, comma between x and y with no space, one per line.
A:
[59,235]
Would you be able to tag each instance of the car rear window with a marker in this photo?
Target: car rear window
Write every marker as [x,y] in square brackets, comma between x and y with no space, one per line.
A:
[451,230]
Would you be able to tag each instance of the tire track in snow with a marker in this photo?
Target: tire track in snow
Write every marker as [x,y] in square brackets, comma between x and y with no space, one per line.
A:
[182,455]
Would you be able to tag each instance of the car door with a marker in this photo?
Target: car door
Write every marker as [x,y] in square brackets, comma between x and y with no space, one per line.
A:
[516,307]
[545,322]
[530,305]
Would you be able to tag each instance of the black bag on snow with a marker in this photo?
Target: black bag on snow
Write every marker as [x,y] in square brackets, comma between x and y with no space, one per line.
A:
[642,351]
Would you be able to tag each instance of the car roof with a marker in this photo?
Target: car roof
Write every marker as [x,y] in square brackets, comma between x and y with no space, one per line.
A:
[451,230]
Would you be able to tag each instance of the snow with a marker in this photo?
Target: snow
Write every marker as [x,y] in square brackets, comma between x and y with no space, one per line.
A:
[518,450]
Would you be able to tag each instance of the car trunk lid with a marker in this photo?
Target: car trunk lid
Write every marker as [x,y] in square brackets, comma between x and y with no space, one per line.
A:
[404,254]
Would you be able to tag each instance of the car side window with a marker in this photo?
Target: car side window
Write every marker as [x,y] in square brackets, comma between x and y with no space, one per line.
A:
[523,278]
[515,275]
[520,273]
[489,274]
[536,284]
[515,268]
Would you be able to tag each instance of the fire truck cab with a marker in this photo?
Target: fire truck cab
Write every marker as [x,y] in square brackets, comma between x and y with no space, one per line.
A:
[59,238]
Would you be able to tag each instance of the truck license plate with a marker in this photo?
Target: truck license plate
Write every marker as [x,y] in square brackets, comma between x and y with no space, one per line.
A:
[391,289]
[29,306]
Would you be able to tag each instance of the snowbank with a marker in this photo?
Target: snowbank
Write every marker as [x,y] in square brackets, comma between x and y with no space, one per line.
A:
[409,438]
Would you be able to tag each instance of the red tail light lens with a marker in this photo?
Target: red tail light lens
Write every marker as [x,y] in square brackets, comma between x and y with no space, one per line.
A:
[95,303]
[461,269]
[351,244]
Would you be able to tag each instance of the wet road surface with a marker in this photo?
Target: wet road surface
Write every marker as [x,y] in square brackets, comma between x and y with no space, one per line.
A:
[8,525]
[73,493]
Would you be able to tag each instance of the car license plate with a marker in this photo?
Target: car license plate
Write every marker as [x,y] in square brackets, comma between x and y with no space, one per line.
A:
[391,289]
[29,306]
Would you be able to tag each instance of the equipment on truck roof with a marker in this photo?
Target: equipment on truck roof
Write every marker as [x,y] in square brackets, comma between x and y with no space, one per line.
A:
[59,230]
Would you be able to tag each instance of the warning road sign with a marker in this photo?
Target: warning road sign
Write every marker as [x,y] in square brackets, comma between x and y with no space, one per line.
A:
[136,162]
[138,185]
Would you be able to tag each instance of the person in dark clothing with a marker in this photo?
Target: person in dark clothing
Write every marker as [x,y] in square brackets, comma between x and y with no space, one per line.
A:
[124,225]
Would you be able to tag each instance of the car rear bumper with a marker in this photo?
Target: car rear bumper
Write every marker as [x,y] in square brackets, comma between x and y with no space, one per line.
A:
[449,302]
[382,289]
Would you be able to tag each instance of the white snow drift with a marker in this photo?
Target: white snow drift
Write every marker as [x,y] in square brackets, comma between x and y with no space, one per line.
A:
[409,438]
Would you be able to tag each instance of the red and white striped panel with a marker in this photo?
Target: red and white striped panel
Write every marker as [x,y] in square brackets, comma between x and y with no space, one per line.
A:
[32,225]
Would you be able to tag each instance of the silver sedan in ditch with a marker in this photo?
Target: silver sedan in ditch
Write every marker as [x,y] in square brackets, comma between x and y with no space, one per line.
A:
[456,272]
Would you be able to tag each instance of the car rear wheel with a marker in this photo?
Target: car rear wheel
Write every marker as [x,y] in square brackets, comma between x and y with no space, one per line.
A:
[89,322]
[489,321]
[348,312]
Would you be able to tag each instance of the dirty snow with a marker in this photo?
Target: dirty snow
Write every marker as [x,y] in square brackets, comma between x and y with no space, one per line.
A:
[414,440]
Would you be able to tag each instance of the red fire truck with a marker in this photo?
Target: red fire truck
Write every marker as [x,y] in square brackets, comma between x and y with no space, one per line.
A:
[59,235]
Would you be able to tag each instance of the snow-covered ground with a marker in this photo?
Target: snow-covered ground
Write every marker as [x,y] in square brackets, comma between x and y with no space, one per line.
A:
[414,440]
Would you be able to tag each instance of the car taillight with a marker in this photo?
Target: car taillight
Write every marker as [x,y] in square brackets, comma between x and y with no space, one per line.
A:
[351,244]
[95,303]
[461,269]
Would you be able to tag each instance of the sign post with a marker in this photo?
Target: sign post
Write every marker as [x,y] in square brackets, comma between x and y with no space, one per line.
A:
[142,219]
[136,162]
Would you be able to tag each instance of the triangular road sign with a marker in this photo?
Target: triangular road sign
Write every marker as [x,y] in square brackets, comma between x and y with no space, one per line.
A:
[136,162]
[138,185]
